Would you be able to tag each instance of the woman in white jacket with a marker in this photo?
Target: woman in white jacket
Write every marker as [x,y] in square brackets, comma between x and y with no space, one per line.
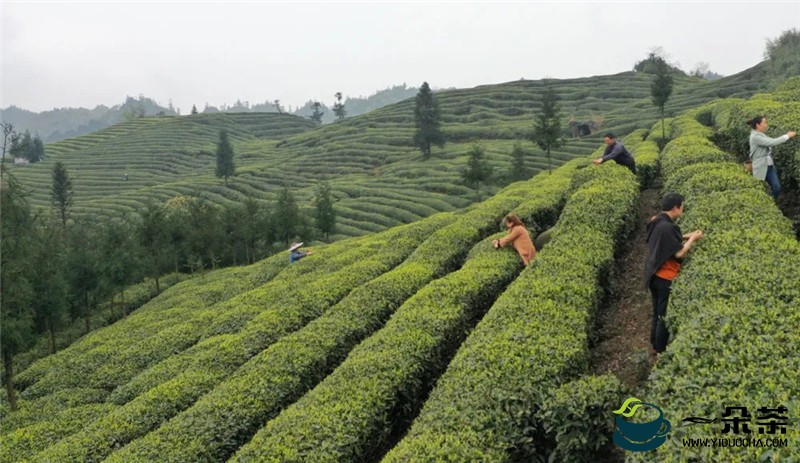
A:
[761,153]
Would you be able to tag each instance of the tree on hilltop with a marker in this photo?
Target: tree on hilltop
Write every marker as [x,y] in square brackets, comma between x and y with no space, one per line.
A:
[656,58]
[316,116]
[783,55]
[338,106]
[225,166]
[278,107]
[427,119]
[660,90]
[194,109]
[547,126]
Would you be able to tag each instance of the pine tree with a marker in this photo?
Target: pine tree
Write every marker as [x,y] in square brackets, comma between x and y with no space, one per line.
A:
[225,166]
[325,216]
[194,109]
[338,106]
[427,119]
[547,127]
[61,193]
[316,116]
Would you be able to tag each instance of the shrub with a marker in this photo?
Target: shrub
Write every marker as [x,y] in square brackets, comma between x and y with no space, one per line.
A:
[734,308]
[534,338]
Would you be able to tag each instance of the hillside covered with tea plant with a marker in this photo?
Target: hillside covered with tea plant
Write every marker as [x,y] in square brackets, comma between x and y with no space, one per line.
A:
[379,179]
[420,342]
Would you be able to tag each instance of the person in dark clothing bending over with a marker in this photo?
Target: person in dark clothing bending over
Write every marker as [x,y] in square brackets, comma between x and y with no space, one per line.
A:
[667,248]
[616,150]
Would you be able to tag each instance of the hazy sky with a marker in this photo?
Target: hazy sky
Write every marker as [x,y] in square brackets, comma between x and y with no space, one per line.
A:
[69,54]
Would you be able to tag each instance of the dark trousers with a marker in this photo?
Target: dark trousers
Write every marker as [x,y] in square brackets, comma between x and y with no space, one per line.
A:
[659,289]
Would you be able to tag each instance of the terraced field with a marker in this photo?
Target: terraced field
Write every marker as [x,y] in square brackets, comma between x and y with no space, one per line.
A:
[377,175]
[423,343]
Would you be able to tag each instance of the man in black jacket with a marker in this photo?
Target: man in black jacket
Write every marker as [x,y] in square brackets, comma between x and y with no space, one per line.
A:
[617,152]
[667,248]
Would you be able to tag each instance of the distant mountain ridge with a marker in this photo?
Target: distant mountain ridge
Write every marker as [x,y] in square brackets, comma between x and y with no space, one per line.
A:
[61,123]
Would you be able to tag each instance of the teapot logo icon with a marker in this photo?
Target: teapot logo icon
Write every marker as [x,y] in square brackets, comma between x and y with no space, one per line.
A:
[639,437]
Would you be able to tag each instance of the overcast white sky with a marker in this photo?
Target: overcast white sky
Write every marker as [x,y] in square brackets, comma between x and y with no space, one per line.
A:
[70,54]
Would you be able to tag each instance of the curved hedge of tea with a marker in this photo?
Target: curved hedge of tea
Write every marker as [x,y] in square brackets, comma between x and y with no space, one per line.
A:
[230,413]
[262,315]
[734,309]
[534,338]
[171,156]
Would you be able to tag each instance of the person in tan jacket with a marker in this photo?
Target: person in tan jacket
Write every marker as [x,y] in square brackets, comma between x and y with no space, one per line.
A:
[518,237]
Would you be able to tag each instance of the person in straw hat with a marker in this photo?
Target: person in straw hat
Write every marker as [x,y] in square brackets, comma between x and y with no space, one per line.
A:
[296,254]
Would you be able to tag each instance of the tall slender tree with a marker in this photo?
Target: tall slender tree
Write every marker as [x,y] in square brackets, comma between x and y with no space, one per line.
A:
[661,89]
[338,106]
[152,233]
[316,116]
[8,137]
[83,271]
[325,215]
[478,169]
[287,216]
[518,169]
[547,126]
[49,283]
[37,149]
[203,238]
[61,193]
[120,258]
[427,119]
[17,274]
[225,165]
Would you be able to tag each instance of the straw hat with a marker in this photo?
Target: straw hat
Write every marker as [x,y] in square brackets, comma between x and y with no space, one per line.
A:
[295,246]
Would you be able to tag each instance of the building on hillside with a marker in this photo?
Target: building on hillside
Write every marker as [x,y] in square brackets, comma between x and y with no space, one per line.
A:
[21,162]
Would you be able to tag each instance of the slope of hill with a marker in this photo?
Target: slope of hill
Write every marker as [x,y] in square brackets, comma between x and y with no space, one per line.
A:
[60,123]
[330,359]
[379,178]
